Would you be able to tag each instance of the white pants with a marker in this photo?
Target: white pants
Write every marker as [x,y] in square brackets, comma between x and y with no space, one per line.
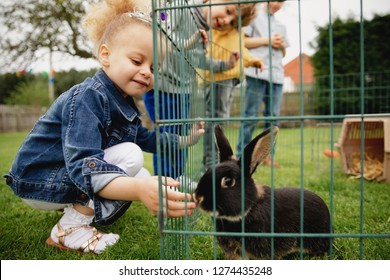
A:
[128,156]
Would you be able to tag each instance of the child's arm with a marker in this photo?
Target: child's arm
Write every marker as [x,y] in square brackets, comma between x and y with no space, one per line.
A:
[147,140]
[218,65]
[277,42]
[197,130]
[234,57]
[251,61]
[147,191]
[255,62]
[200,36]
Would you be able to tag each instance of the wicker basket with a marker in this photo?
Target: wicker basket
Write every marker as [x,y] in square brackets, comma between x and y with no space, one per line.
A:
[376,143]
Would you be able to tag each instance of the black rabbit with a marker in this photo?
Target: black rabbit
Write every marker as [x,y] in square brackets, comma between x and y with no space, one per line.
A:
[257,205]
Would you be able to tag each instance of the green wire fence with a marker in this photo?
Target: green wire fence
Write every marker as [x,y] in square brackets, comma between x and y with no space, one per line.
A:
[313,119]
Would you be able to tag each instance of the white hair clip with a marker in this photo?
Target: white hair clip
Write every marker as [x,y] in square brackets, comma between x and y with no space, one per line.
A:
[141,16]
[162,17]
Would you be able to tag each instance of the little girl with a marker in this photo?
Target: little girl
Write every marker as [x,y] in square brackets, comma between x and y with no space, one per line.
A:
[85,154]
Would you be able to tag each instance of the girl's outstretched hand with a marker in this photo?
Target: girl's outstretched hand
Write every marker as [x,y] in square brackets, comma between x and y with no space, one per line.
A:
[175,204]
[197,130]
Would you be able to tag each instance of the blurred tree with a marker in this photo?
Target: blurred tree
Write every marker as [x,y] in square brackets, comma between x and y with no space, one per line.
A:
[29,26]
[11,85]
[347,47]
[347,61]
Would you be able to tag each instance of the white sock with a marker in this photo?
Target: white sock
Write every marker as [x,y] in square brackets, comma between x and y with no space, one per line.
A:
[74,240]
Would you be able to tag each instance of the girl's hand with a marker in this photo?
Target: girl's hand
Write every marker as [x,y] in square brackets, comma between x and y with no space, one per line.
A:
[175,204]
[197,130]
[204,36]
[198,37]
[234,57]
[277,41]
[257,62]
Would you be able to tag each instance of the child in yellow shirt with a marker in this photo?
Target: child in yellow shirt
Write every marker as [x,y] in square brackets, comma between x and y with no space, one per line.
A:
[219,95]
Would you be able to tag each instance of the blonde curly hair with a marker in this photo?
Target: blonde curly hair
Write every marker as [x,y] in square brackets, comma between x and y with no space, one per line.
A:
[106,18]
[248,12]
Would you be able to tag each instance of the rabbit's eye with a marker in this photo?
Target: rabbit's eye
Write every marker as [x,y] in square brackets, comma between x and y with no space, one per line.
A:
[227,182]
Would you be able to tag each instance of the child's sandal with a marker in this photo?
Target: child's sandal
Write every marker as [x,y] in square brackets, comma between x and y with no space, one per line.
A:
[90,243]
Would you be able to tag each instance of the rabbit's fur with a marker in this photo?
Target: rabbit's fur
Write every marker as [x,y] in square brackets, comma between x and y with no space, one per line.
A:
[257,202]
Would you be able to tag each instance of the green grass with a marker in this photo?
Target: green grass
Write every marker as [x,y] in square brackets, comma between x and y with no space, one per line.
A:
[24,230]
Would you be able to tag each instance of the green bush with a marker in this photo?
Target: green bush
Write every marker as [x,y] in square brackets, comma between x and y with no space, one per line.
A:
[35,93]
[9,82]
[32,89]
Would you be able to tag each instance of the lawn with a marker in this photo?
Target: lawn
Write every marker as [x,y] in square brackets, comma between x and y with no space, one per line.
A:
[360,209]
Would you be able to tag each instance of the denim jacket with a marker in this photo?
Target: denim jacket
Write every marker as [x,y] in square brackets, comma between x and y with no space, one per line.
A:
[61,155]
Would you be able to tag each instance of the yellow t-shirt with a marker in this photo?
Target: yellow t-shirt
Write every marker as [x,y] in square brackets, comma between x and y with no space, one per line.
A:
[221,44]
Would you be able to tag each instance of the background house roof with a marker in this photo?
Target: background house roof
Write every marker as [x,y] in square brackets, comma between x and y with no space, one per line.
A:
[292,70]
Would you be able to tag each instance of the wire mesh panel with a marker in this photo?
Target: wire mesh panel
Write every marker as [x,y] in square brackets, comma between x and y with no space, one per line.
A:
[177,104]
[208,81]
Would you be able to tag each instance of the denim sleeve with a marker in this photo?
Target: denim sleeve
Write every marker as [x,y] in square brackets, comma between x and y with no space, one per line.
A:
[147,140]
[82,133]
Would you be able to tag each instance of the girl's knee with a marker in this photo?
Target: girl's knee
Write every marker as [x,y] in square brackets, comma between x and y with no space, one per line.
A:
[128,156]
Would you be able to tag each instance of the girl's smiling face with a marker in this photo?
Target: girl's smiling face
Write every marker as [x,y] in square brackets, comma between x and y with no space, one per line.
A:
[222,16]
[128,59]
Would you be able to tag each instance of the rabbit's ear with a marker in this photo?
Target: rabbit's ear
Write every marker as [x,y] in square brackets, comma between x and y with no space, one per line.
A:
[223,145]
[259,149]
